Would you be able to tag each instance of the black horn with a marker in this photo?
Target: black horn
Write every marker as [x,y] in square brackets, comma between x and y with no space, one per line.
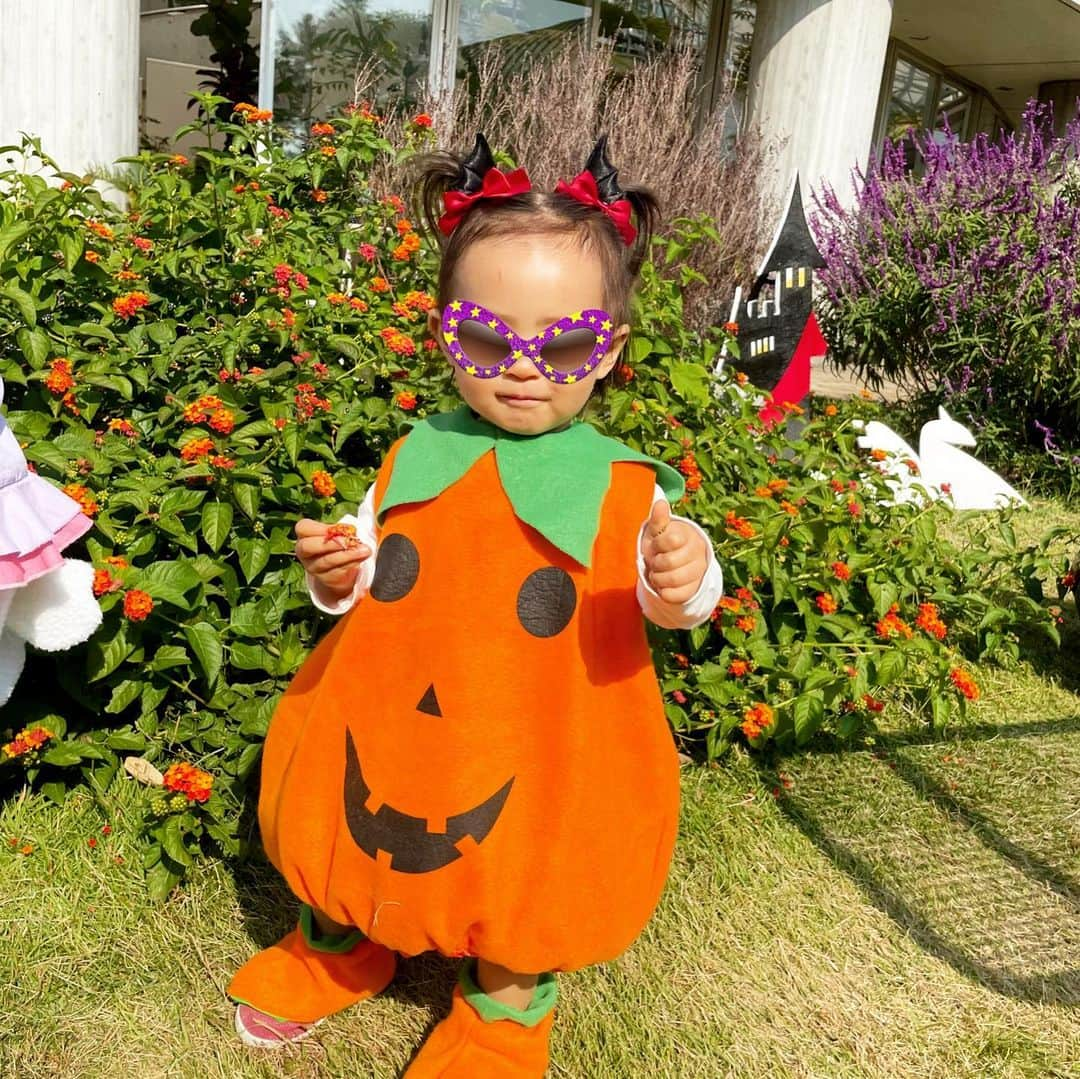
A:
[474,167]
[607,178]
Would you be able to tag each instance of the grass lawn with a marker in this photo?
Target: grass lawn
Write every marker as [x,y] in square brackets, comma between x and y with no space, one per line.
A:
[908,910]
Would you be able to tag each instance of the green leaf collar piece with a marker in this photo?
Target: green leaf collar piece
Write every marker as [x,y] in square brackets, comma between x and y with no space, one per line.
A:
[556,482]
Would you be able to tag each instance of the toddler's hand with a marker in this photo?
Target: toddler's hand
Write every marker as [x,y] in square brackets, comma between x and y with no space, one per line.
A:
[331,554]
[676,557]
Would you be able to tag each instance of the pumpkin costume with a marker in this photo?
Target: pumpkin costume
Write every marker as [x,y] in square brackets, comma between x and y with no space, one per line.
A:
[475,759]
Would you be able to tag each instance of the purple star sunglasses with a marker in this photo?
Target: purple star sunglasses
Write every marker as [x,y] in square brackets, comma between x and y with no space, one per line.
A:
[483,346]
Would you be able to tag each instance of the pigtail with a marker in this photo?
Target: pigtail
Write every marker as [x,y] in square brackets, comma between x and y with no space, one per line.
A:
[646,209]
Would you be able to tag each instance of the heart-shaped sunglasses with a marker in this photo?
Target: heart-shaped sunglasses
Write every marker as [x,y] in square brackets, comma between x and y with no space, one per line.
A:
[483,346]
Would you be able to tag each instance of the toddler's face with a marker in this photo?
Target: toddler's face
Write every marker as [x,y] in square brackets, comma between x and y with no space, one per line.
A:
[529,281]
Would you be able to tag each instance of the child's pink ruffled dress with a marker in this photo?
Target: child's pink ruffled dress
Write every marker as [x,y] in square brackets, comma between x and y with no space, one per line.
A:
[37,521]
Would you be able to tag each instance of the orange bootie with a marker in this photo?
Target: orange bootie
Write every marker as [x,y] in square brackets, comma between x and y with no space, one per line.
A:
[302,979]
[483,1038]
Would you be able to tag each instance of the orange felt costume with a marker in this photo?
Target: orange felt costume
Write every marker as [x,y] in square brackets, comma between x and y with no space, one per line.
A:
[476,759]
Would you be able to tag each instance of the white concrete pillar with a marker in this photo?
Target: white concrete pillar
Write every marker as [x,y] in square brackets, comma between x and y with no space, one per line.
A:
[69,73]
[815,77]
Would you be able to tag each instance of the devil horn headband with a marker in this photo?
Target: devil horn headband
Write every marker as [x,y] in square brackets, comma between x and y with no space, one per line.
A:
[598,186]
[479,179]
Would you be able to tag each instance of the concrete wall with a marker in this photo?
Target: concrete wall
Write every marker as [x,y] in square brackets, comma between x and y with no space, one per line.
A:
[69,73]
[815,76]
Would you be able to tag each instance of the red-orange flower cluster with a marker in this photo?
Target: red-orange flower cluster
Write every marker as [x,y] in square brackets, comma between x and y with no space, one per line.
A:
[196,448]
[406,401]
[965,683]
[322,131]
[105,582]
[739,668]
[757,719]
[26,741]
[892,625]
[308,402]
[841,571]
[825,603]
[410,244]
[84,496]
[252,114]
[324,484]
[123,427]
[379,284]
[199,411]
[398,342]
[872,704]
[739,525]
[131,302]
[137,605]
[929,621]
[187,779]
[100,229]
[59,379]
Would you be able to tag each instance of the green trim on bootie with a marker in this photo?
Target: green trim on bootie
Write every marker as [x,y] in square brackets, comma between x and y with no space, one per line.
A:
[491,1011]
[334,943]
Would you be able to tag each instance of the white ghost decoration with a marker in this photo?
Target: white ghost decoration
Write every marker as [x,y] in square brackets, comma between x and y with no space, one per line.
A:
[939,469]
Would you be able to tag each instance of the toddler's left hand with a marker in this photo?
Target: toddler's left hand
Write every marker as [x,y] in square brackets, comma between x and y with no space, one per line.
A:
[676,557]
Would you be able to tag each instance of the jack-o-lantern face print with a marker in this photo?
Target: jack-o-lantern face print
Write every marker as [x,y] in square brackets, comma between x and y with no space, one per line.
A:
[545,604]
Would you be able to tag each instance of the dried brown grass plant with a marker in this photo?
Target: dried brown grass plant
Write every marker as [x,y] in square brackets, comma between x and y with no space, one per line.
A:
[546,113]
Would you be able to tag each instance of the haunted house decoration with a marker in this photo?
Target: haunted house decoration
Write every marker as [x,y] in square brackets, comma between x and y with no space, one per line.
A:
[778,332]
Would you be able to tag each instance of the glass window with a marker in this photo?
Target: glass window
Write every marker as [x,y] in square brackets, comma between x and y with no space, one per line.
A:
[638,29]
[525,29]
[174,63]
[321,45]
[953,109]
[909,99]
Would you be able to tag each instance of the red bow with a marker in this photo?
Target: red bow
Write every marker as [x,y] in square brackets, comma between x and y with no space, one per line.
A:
[583,188]
[497,185]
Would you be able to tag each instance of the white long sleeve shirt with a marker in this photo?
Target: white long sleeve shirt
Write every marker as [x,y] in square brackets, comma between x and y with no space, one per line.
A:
[668,615]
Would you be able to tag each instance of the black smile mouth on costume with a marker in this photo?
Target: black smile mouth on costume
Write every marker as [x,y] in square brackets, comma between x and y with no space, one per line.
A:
[411,846]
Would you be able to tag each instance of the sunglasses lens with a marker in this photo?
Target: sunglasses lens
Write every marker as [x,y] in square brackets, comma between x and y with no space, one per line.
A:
[484,346]
[570,350]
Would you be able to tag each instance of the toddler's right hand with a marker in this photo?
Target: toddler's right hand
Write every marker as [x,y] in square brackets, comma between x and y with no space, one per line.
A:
[330,555]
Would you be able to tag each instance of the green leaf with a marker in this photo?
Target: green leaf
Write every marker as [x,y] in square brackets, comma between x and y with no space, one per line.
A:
[217,518]
[808,713]
[63,755]
[34,345]
[691,381]
[103,657]
[126,742]
[23,301]
[172,841]
[45,453]
[12,235]
[206,644]
[123,695]
[247,498]
[344,345]
[160,881]
[55,790]
[253,554]
[168,655]
[169,581]
[890,667]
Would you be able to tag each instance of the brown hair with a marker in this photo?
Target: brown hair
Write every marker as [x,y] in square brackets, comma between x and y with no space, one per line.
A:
[535,212]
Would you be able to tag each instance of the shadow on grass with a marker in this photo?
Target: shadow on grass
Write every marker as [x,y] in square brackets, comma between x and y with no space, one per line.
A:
[1059,987]
[270,910]
[1060,664]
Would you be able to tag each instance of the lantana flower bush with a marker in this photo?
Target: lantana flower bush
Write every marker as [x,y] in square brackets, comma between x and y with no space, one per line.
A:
[961,280]
[240,346]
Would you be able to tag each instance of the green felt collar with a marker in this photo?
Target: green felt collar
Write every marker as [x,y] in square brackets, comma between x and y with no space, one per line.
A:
[556,482]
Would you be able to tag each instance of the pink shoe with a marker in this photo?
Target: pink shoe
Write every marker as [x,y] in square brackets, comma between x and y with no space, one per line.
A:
[262,1031]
